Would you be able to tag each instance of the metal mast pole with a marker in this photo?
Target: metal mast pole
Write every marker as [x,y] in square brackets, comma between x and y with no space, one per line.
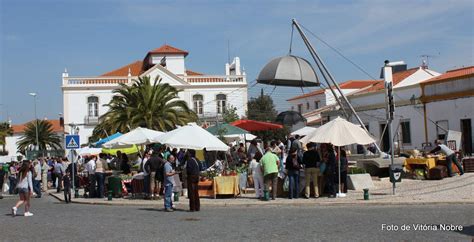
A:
[325,71]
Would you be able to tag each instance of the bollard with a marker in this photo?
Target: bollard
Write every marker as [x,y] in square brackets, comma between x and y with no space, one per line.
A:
[176,196]
[109,195]
[266,195]
[366,194]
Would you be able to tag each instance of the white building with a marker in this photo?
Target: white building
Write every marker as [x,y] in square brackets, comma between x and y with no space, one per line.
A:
[311,104]
[207,95]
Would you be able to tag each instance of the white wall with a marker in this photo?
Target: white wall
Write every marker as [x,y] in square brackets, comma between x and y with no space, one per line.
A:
[235,97]
[174,63]
[451,110]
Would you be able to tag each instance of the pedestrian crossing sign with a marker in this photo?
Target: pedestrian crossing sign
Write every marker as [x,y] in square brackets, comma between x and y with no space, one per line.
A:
[72,141]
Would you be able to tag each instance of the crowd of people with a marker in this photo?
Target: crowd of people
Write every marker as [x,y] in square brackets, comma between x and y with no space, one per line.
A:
[163,168]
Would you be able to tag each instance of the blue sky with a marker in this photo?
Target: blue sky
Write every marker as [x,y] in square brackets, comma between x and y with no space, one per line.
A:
[41,38]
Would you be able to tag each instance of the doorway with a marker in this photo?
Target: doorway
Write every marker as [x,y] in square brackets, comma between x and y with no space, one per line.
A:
[385,138]
[466,140]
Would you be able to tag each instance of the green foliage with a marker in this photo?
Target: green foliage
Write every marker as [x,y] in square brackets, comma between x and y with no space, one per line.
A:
[5,130]
[263,109]
[46,136]
[230,114]
[148,104]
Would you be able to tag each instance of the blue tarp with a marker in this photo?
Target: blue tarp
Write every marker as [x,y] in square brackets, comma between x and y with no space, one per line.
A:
[105,140]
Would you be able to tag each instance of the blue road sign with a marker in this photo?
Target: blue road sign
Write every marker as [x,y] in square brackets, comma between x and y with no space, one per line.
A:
[72,142]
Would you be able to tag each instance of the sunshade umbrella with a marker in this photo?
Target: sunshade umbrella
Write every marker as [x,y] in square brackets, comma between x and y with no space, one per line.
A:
[252,125]
[233,137]
[138,136]
[88,151]
[340,132]
[191,136]
[290,70]
[290,118]
[107,139]
[303,131]
[226,129]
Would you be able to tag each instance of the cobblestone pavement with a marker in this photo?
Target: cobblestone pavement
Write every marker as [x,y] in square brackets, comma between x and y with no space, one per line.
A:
[459,189]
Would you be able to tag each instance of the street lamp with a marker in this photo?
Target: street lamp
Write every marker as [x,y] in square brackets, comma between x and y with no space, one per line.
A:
[36,119]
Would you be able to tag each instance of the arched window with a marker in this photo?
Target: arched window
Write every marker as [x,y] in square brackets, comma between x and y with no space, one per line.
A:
[221,103]
[93,106]
[197,104]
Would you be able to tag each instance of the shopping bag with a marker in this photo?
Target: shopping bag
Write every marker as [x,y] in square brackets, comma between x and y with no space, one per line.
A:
[286,184]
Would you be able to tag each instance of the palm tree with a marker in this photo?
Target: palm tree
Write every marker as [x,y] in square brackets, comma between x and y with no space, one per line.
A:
[46,136]
[5,130]
[145,104]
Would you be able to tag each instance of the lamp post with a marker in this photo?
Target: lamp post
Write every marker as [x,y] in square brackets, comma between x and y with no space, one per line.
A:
[36,119]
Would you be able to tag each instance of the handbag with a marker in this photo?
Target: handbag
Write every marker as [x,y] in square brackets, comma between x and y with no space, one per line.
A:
[322,167]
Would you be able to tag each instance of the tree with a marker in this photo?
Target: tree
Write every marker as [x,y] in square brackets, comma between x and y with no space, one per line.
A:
[263,109]
[147,104]
[230,114]
[5,130]
[46,136]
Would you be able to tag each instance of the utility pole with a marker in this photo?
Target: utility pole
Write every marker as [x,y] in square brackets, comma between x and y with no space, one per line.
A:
[36,120]
[387,74]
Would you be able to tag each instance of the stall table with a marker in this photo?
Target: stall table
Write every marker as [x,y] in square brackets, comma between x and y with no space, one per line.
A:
[428,162]
[221,185]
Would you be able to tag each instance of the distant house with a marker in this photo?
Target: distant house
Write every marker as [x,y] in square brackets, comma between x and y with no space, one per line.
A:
[19,131]
[311,104]
[208,95]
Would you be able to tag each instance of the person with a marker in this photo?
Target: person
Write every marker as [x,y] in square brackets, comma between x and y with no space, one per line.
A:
[311,161]
[192,172]
[67,186]
[12,177]
[331,171]
[169,172]
[125,165]
[76,177]
[25,188]
[100,168]
[146,175]
[218,166]
[44,174]
[296,144]
[90,168]
[58,173]
[256,170]
[253,148]
[37,179]
[2,178]
[293,167]
[450,157]
[152,167]
[343,169]
[270,163]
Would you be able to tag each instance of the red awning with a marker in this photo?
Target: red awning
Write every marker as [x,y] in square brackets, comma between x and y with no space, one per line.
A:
[252,125]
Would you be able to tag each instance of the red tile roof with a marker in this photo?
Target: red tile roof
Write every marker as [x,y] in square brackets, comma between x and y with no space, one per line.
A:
[136,68]
[167,49]
[396,78]
[20,128]
[452,74]
[351,84]
[193,73]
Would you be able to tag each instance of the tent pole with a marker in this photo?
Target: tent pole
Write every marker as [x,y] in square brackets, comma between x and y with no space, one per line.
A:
[339,170]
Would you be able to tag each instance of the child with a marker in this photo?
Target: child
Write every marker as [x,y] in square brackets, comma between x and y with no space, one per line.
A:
[67,187]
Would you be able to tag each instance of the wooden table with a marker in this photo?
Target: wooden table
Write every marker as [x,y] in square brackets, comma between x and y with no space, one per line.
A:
[427,162]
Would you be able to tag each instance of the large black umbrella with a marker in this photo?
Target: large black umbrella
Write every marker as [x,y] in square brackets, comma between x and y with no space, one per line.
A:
[290,71]
[290,118]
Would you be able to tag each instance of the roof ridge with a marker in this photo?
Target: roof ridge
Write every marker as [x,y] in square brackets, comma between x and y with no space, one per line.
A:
[458,69]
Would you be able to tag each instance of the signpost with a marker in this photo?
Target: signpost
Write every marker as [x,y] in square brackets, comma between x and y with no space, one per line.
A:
[72,143]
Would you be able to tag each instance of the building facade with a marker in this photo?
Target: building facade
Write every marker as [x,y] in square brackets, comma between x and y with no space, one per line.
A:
[208,95]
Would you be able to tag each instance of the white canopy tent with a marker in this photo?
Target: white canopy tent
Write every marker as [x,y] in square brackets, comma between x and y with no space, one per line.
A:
[88,151]
[303,131]
[191,136]
[340,132]
[138,136]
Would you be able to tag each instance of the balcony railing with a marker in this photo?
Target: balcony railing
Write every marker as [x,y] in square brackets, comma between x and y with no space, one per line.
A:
[91,120]
[115,81]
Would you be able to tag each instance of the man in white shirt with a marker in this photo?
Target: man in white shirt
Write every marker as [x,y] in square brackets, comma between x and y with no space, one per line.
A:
[90,168]
[37,179]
